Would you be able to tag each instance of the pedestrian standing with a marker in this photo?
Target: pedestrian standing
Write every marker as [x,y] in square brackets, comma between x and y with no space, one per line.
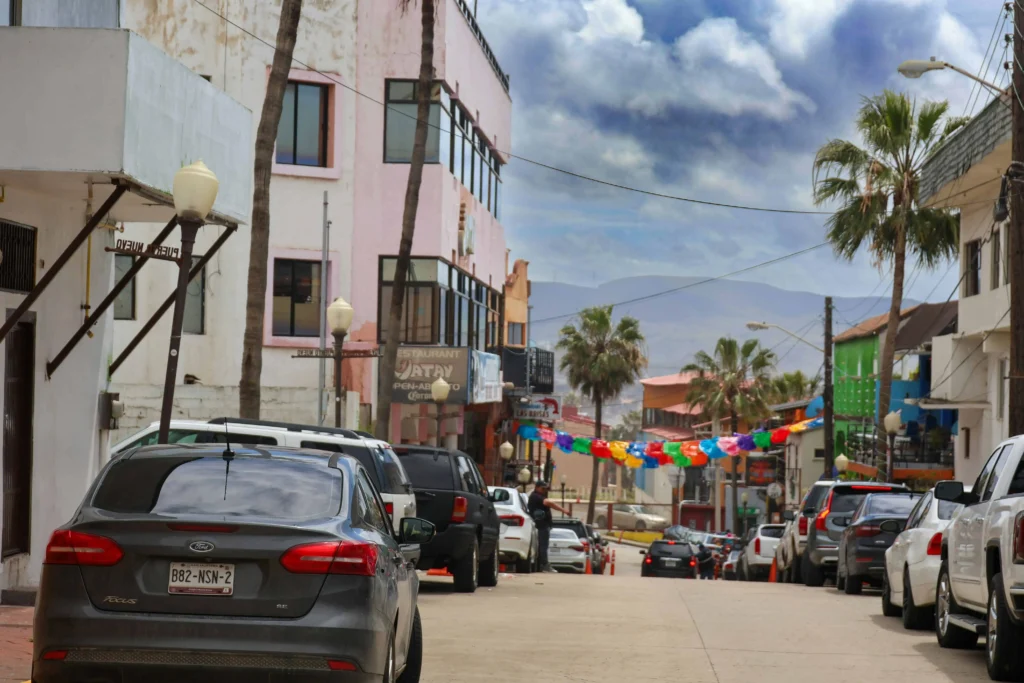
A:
[539,506]
[705,562]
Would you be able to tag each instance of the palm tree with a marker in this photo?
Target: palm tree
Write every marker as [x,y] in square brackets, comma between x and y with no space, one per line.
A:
[734,381]
[600,359]
[876,187]
[259,232]
[412,199]
[793,386]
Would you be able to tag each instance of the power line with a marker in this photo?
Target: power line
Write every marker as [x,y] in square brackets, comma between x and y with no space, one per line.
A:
[510,155]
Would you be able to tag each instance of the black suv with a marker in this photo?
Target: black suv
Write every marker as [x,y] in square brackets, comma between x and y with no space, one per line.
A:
[451,493]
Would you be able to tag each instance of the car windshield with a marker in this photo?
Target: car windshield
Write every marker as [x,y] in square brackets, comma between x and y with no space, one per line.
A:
[251,487]
[428,469]
[889,504]
[948,509]
[845,499]
[772,531]
[564,534]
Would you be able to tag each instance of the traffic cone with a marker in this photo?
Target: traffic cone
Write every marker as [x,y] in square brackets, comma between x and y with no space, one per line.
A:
[439,572]
[773,575]
[589,569]
[613,564]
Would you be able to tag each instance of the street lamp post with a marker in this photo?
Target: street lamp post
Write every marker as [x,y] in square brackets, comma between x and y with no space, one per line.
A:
[439,392]
[915,68]
[505,450]
[563,490]
[745,497]
[339,318]
[842,464]
[524,477]
[892,424]
[195,191]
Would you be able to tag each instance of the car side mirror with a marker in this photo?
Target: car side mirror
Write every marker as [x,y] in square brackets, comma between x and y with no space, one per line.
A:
[643,552]
[891,526]
[414,530]
[952,492]
[788,515]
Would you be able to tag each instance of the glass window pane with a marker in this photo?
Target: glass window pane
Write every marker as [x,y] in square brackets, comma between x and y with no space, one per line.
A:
[388,269]
[400,132]
[444,136]
[306,299]
[434,135]
[419,309]
[124,304]
[383,320]
[286,128]
[5,12]
[442,273]
[282,308]
[422,270]
[402,90]
[442,312]
[310,147]
[464,305]
[497,200]
[457,160]
[195,304]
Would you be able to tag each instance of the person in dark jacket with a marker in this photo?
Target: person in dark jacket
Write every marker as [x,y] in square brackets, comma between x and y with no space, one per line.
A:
[705,562]
[539,506]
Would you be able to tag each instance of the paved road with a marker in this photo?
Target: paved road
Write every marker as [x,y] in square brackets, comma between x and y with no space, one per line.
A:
[535,628]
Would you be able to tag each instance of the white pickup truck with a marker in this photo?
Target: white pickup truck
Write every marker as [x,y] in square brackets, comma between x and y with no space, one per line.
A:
[980,590]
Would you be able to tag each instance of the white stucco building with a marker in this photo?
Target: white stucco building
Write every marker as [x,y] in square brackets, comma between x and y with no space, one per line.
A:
[101,121]
[970,366]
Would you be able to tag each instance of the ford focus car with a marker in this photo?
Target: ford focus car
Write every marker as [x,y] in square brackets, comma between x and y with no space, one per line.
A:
[203,563]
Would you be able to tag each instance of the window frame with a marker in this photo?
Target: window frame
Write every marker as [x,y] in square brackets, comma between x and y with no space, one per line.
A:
[439,95]
[972,268]
[273,267]
[333,121]
[129,288]
[323,150]
[995,277]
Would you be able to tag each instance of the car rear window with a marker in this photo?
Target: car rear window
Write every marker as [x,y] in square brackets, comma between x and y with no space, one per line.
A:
[397,479]
[772,531]
[563,534]
[948,509]
[576,527]
[847,498]
[673,549]
[428,470]
[882,504]
[815,496]
[257,487]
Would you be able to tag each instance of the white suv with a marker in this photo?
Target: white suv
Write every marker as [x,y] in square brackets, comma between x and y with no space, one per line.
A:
[790,552]
[380,462]
[759,552]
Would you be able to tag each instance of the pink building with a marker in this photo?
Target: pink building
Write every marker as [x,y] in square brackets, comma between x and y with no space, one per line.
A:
[460,201]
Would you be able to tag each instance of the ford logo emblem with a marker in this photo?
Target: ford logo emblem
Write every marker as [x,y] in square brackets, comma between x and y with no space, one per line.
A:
[201,546]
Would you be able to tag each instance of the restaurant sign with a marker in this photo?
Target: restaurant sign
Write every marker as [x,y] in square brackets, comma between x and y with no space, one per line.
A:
[417,368]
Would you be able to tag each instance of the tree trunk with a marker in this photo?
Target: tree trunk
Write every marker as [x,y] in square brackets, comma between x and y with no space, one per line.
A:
[892,328]
[259,233]
[596,464]
[412,198]
[735,478]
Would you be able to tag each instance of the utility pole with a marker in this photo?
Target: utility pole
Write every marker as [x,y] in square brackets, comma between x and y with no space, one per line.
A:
[321,407]
[827,393]
[1016,243]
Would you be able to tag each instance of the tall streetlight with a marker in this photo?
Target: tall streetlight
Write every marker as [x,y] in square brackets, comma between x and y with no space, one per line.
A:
[892,424]
[915,68]
[842,464]
[525,475]
[439,392]
[827,392]
[195,191]
[339,319]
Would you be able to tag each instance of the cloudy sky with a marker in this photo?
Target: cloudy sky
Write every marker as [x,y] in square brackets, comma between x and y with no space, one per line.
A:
[724,100]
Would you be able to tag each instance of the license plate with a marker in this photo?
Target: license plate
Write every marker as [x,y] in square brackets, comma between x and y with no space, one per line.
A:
[555,551]
[201,578]
[671,563]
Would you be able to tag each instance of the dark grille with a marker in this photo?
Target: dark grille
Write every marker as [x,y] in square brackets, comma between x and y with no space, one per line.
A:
[201,659]
[17,257]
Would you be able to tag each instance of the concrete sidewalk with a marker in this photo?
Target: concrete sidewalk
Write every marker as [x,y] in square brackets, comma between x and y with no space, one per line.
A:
[15,644]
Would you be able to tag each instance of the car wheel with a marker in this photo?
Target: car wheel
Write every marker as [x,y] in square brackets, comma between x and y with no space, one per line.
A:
[797,566]
[889,609]
[489,569]
[525,566]
[914,618]
[414,660]
[640,526]
[601,523]
[948,635]
[814,577]
[466,571]
[1003,654]
[852,585]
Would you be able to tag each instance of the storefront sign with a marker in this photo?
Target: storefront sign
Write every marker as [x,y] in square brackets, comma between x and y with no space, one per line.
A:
[417,368]
[485,377]
[762,472]
[547,409]
[142,249]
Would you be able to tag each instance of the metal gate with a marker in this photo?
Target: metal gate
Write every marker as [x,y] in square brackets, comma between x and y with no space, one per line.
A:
[17,447]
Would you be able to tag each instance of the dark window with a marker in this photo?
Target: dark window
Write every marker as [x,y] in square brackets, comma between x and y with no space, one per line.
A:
[890,505]
[997,259]
[18,267]
[296,310]
[919,511]
[466,474]
[396,479]
[243,439]
[997,471]
[250,487]
[815,496]
[979,484]
[360,453]
[516,334]
[819,453]
[846,500]
[195,303]
[418,314]
[124,304]
[400,123]
[302,132]
[428,470]
[972,266]
[371,514]
[772,531]
[947,509]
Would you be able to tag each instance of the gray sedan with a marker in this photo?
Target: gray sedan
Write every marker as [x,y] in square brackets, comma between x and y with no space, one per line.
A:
[202,563]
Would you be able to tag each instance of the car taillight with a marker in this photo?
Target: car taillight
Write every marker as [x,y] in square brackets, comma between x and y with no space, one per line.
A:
[935,545]
[802,526]
[340,665]
[867,530]
[351,558]
[819,523]
[205,528]
[459,509]
[389,508]
[693,561]
[757,546]
[577,548]
[1018,539]
[586,545]
[513,520]
[671,542]
[648,560]
[74,547]
[56,655]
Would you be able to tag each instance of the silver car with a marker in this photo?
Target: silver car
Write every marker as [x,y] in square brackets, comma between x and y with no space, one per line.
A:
[635,517]
[203,563]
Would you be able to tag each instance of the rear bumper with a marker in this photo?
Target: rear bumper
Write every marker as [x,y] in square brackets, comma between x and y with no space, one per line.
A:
[124,646]
[868,563]
[515,545]
[923,577]
[825,556]
[453,543]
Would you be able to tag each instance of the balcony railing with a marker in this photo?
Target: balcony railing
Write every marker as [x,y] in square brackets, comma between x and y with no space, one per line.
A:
[467,11]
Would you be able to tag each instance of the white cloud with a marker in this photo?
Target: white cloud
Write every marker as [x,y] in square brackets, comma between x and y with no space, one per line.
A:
[612,19]
[795,25]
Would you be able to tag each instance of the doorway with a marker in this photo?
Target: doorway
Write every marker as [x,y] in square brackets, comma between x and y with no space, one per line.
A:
[19,373]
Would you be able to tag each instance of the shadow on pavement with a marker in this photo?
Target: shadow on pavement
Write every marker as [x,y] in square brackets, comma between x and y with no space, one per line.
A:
[959,666]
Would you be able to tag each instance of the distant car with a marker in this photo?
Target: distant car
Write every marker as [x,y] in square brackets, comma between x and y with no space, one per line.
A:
[586,536]
[519,538]
[866,537]
[794,539]
[194,562]
[600,544]
[450,492]
[567,551]
[635,517]
[759,551]
[671,559]
[730,565]
[677,532]
[912,562]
